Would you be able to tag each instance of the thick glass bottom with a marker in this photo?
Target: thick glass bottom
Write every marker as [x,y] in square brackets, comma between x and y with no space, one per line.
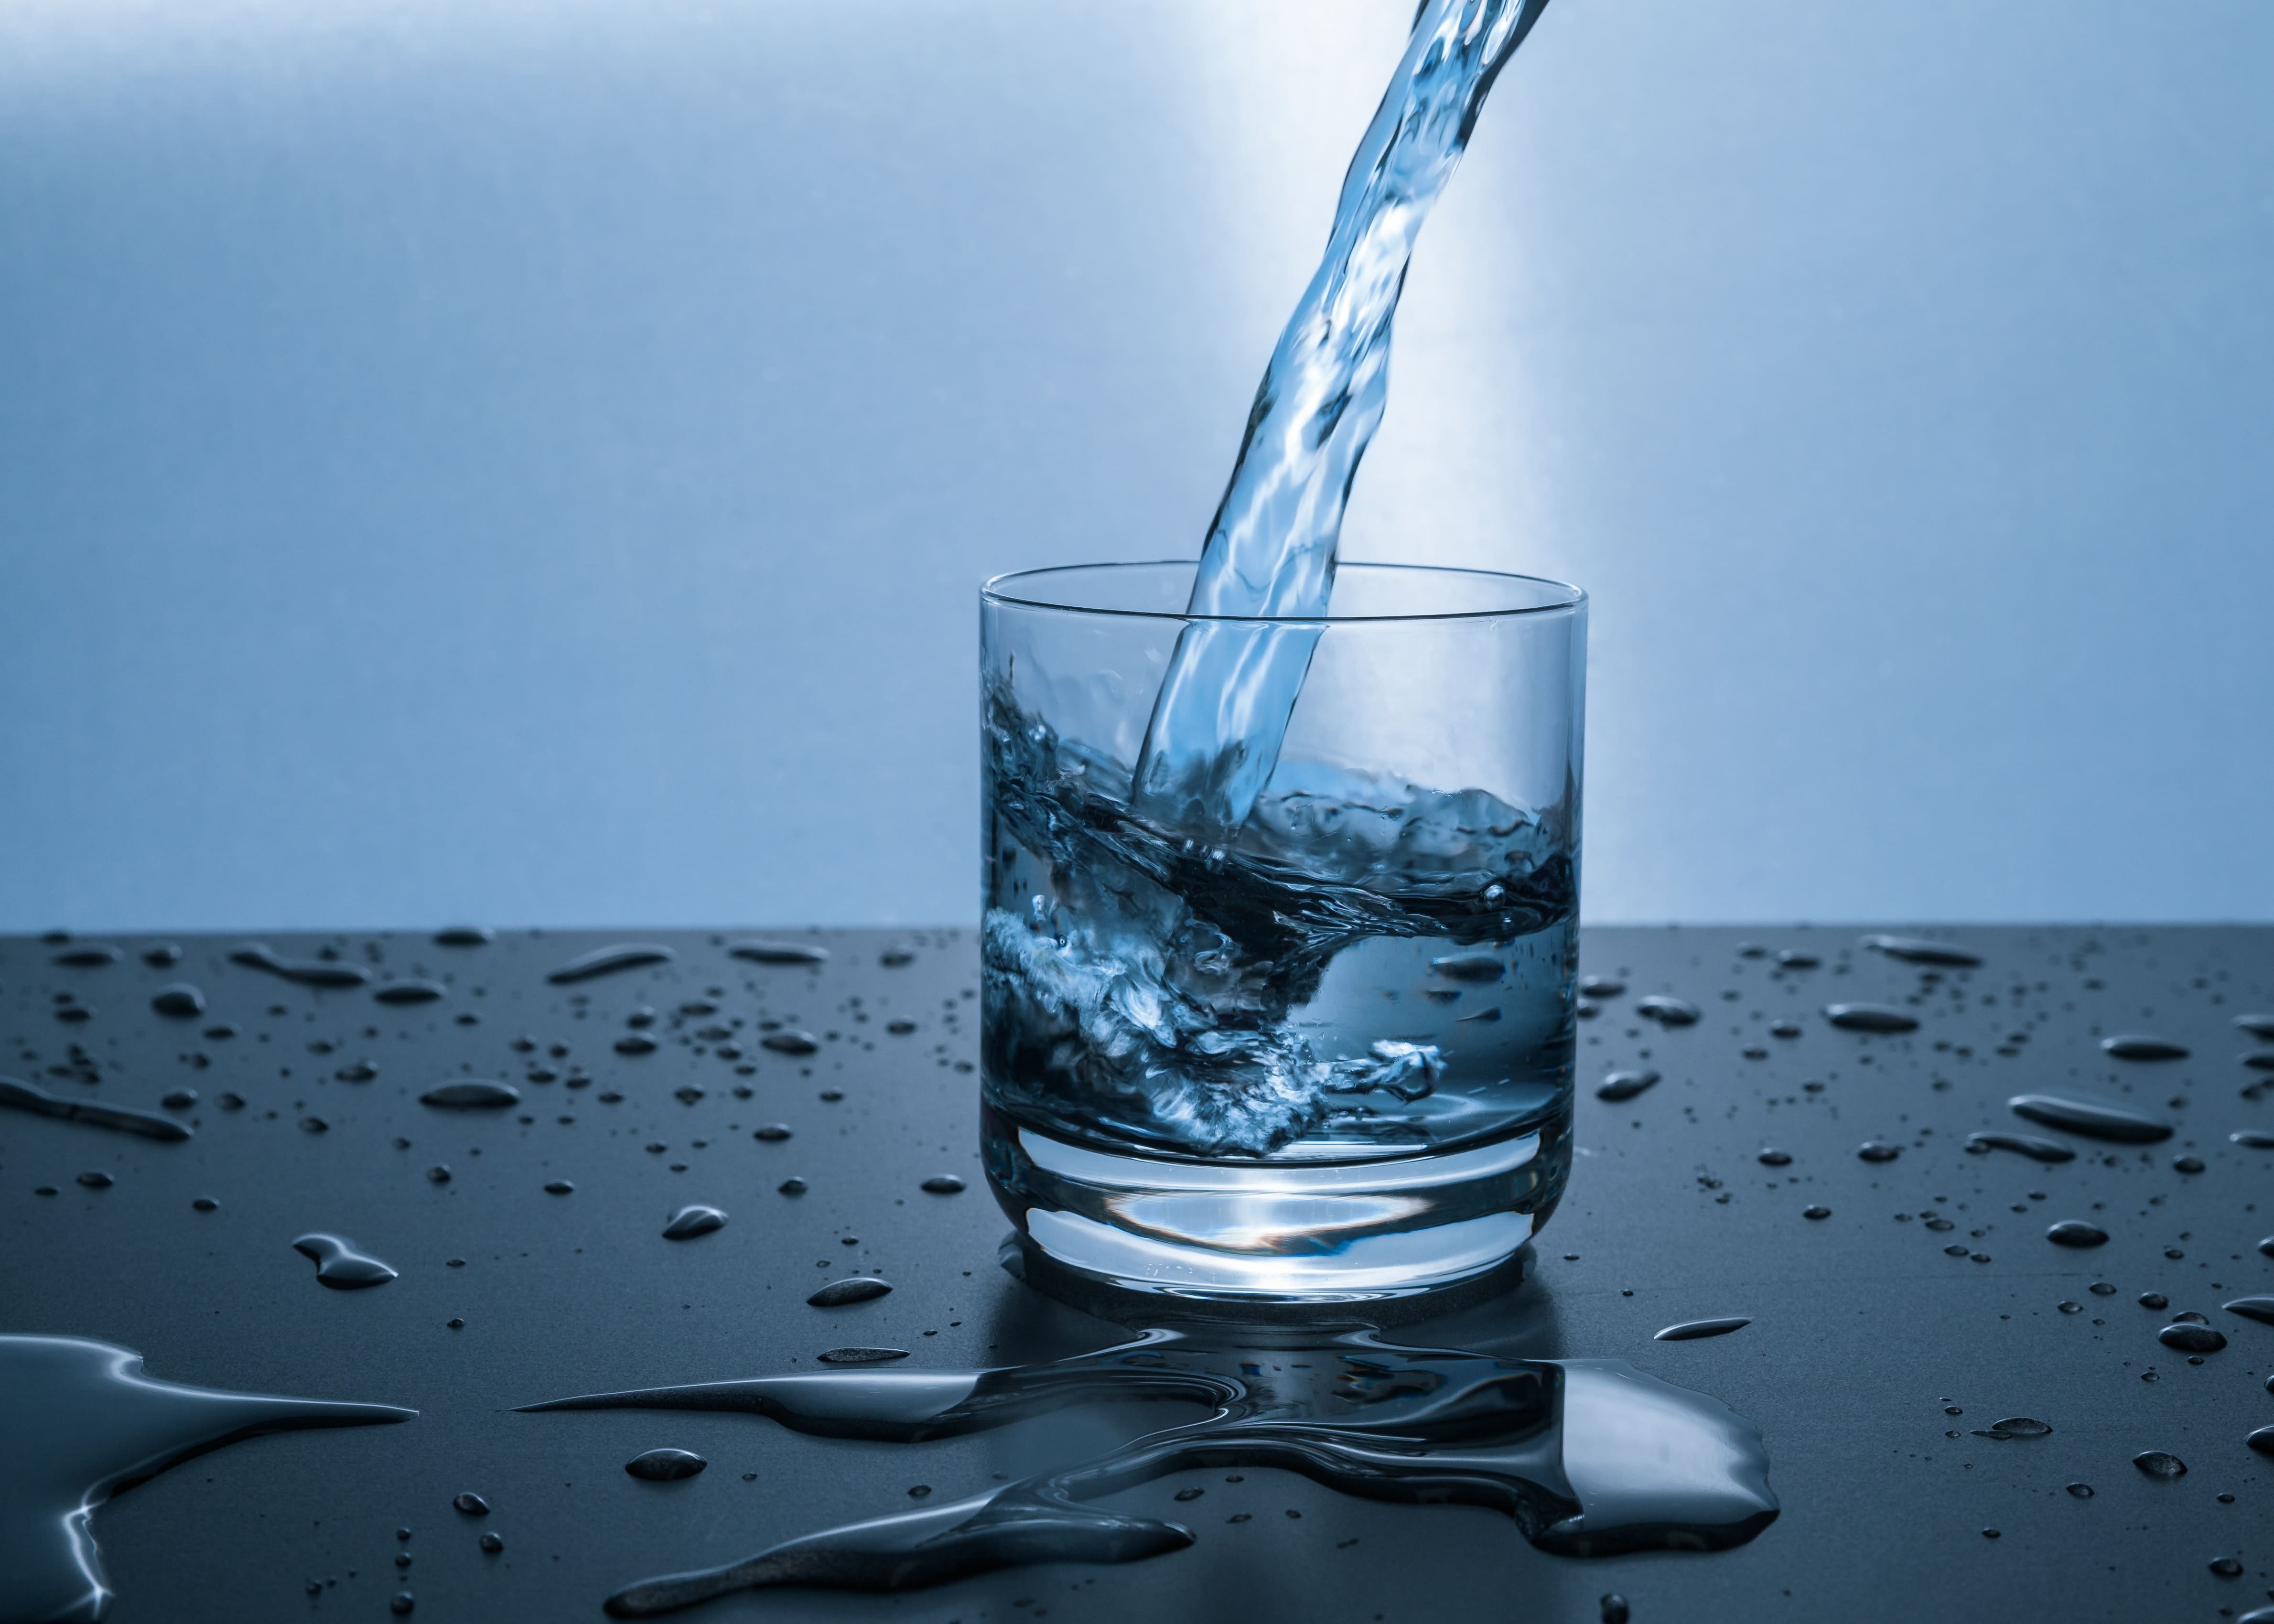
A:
[1258,1231]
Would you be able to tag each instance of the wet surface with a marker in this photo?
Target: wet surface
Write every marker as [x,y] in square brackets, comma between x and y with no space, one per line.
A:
[1867,1330]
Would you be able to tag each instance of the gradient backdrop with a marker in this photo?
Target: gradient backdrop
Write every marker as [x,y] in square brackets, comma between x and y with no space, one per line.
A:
[532,462]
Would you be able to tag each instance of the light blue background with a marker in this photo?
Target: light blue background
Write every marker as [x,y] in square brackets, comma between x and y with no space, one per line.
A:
[533,462]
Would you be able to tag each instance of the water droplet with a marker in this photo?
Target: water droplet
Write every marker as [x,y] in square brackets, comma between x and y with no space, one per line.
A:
[2024,1144]
[2226,1567]
[1474,965]
[161,955]
[1666,1010]
[411,992]
[1615,1610]
[306,972]
[689,1222]
[1877,1150]
[608,960]
[1918,950]
[315,1124]
[1691,1329]
[636,1043]
[2187,1338]
[1625,1084]
[780,952]
[2262,1439]
[464,936]
[2187,1164]
[179,999]
[491,1541]
[2154,1299]
[665,1465]
[2081,1491]
[2140,1046]
[96,1180]
[1792,958]
[2253,1138]
[2101,1288]
[339,1265]
[205,1204]
[438,1174]
[863,1356]
[791,1186]
[2094,1118]
[403,1601]
[1187,1496]
[91,956]
[1815,1212]
[1869,1018]
[356,1071]
[2192,1318]
[559,1186]
[860,1289]
[2076,1232]
[24,1096]
[1775,1158]
[2070,1308]
[2014,1427]
[790,1042]
[1605,987]
[772,1132]
[473,1505]
[473,1095]
[942,1183]
[2160,1463]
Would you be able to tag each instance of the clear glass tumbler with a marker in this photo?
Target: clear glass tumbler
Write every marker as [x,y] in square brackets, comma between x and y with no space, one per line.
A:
[1325,1055]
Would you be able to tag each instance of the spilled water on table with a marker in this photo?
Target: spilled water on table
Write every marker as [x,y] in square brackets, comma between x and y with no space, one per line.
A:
[1588,1457]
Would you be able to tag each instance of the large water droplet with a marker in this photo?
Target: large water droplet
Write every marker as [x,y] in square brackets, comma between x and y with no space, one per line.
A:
[2091,1116]
[339,1265]
[23,1096]
[1877,1150]
[608,960]
[780,952]
[863,1356]
[306,972]
[1869,1018]
[89,956]
[180,1000]
[1625,1085]
[472,1094]
[1918,950]
[942,1183]
[2191,1338]
[2076,1232]
[473,1505]
[1689,1330]
[2140,1046]
[860,1289]
[665,1465]
[689,1222]
[1666,1010]
[2160,1463]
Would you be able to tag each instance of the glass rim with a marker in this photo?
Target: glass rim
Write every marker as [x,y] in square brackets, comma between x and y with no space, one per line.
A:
[994,590]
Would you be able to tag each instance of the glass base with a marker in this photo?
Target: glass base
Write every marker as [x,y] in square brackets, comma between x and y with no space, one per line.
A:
[1267,1232]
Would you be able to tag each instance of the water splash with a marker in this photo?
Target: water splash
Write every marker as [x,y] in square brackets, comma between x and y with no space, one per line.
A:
[80,1423]
[1222,709]
[1588,1457]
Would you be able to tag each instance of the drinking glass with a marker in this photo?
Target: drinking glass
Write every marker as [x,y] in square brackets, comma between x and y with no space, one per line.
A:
[1324,1056]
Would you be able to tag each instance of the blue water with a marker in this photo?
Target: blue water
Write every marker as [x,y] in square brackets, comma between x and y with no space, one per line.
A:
[1223,707]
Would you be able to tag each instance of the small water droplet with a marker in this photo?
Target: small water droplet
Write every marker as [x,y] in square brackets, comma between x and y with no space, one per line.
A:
[2160,1463]
[438,1174]
[942,1183]
[402,1602]
[2081,1491]
[665,1465]
[491,1541]
[791,1186]
[2023,1144]
[1691,1329]
[636,1043]
[464,936]
[472,1504]
[204,1204]
[791,1042]
[2187,1164]
[1666,1009]
[2188,1338]
[2226,1567]
[772,1132]
[780,952]
[1608,987]
[180,1000]
[1615,1610]
[2070,1308]
[1877,1150]
[2014,1427]
[2076,1232]
[411,992]
[559,1186]
[2154,1299]
[863,1356]
[1918,950]
[1815,1212]
[1775,1158]
[2101,1288]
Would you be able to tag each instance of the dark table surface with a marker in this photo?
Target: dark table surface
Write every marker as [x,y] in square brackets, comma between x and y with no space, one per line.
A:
[1868,1339]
